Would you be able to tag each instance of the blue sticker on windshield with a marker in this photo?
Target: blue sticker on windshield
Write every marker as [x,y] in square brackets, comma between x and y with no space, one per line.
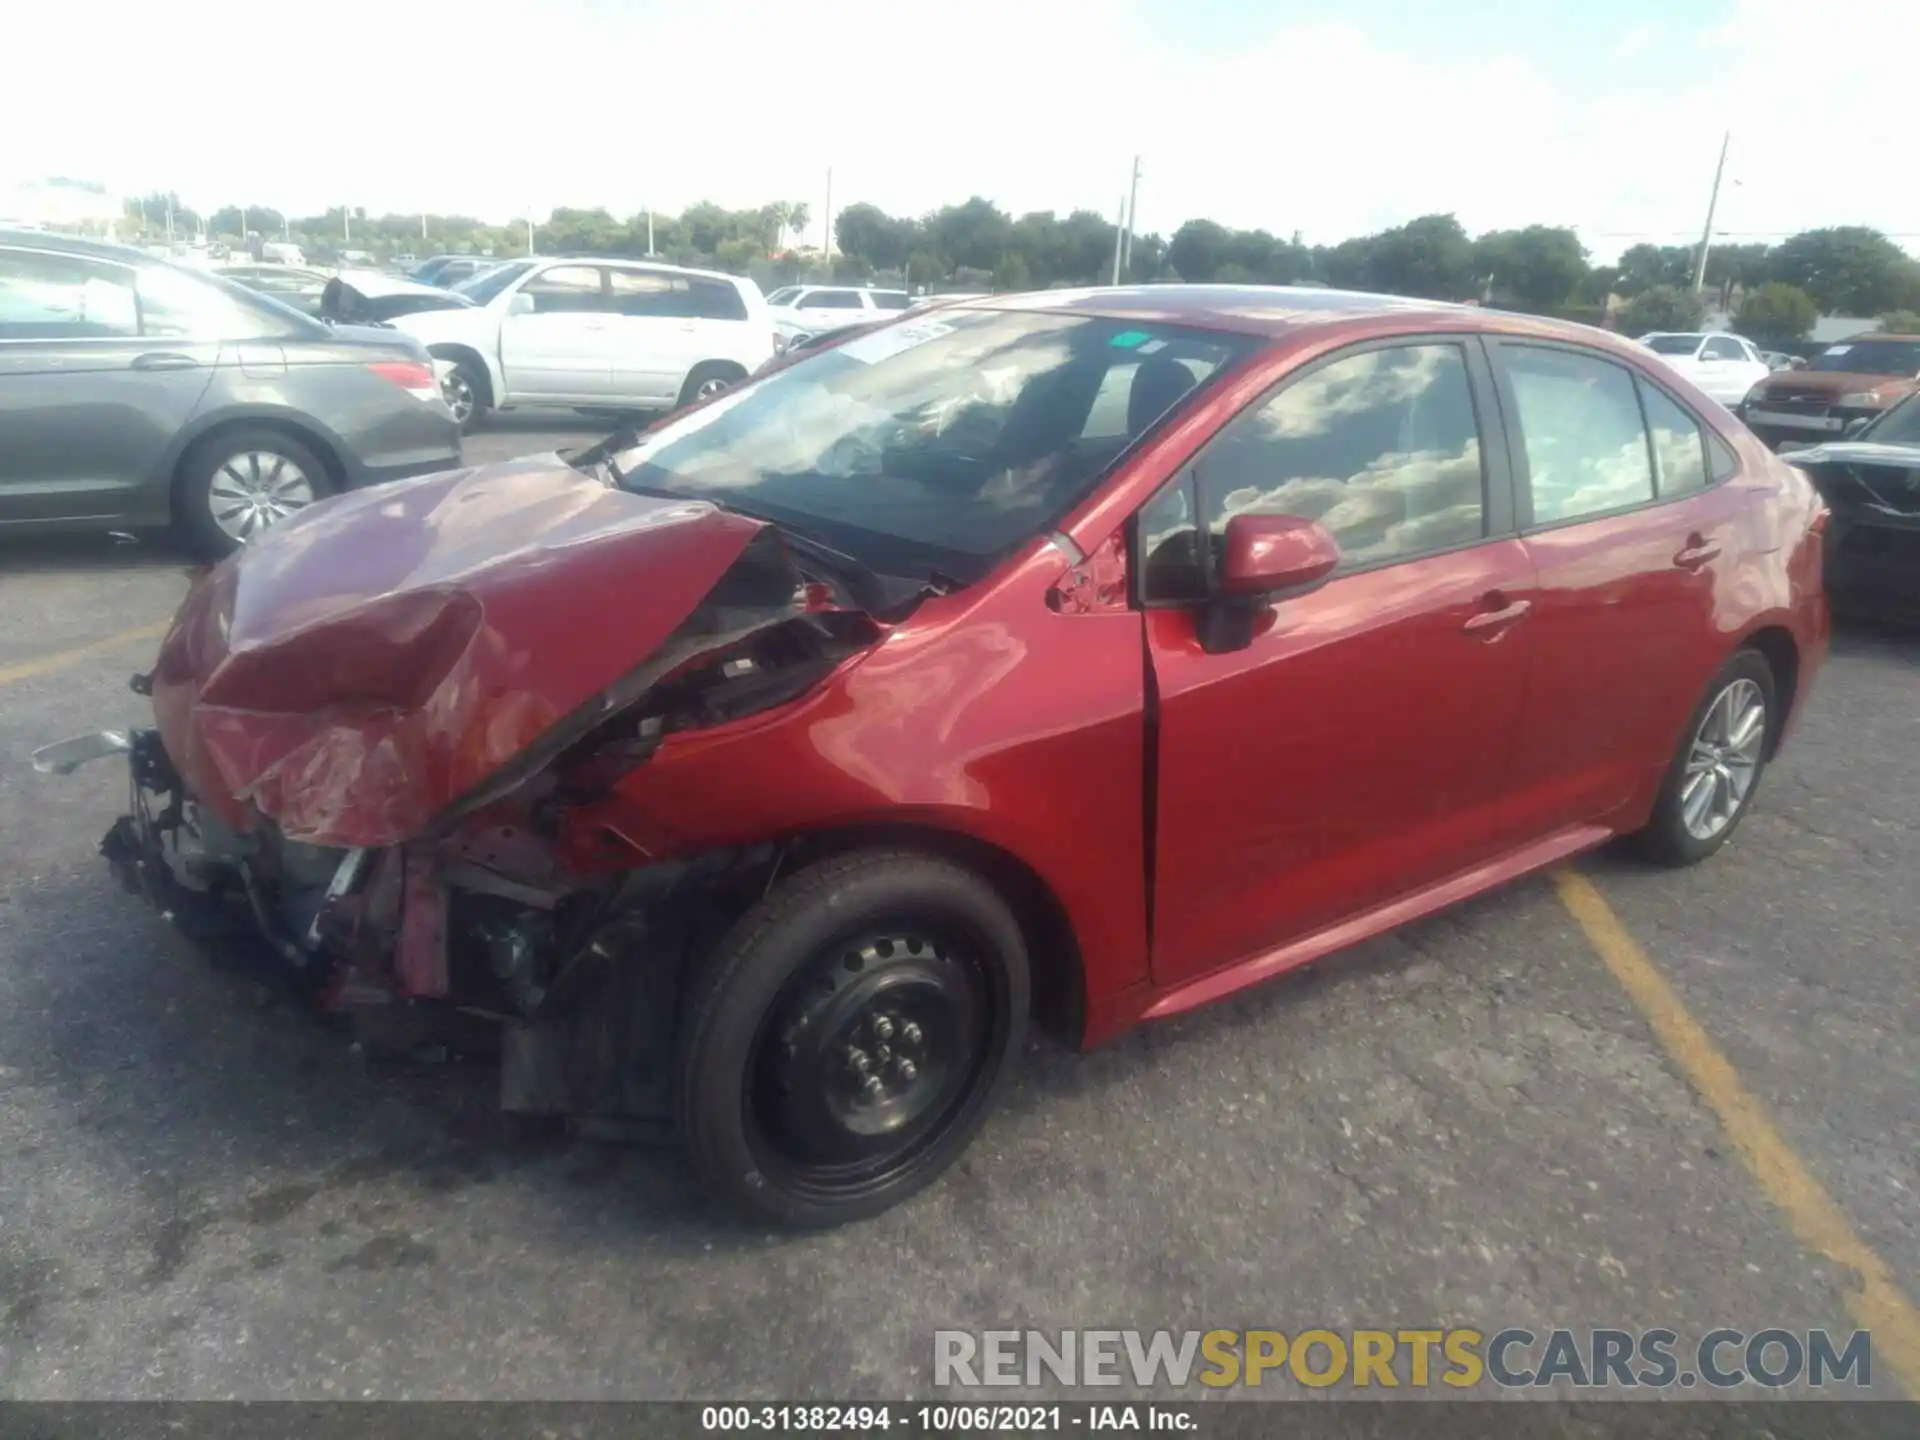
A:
[1127,339]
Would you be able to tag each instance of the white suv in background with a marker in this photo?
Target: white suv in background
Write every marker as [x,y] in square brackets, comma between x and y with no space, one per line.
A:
[1725,366]
[808,309]
[593,334]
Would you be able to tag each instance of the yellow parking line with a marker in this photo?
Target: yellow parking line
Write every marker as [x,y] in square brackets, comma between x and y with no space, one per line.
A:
[61,659]
[1876,1303]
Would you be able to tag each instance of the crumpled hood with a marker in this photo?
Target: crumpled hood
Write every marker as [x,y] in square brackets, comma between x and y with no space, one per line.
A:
[357,669]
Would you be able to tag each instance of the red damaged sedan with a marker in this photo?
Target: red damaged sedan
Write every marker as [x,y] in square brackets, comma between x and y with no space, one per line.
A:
[1086,655]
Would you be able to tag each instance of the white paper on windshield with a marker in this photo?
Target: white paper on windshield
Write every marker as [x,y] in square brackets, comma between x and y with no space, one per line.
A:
[1837,349]
[884,344]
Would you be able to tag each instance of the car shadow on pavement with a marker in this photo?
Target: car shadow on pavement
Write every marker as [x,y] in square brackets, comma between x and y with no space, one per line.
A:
[84,554]
[236,1104]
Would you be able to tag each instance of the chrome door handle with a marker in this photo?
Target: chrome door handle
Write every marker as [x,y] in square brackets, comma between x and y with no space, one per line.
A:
[1491,623]
[164,360]
[1696,555]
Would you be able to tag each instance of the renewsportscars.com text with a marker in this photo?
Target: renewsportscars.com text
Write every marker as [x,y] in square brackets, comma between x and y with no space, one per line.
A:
[1456,1359]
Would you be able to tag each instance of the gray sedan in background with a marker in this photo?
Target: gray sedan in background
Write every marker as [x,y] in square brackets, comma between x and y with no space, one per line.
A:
[135,393]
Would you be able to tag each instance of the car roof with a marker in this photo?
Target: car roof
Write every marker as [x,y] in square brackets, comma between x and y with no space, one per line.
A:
[627,262]
[1275,310]
[72,245]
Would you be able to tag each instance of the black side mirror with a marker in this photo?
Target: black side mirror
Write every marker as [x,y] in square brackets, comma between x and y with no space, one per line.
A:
[1266,558]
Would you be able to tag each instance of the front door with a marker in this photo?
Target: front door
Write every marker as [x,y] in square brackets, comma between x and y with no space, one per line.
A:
[562,348]
[1631,528]
[1358,749]
[89,404]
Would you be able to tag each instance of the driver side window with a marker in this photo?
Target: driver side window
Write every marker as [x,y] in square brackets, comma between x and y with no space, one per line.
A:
[1381,447]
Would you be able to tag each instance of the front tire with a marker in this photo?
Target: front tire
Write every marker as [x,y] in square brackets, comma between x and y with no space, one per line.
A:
[847,1038]
[240,483]
[1715,773]
[466,391]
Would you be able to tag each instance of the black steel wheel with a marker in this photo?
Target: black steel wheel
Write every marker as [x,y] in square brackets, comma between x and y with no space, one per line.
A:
[845,1042]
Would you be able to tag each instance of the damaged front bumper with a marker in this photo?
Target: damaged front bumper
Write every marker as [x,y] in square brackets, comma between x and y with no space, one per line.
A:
[472,944]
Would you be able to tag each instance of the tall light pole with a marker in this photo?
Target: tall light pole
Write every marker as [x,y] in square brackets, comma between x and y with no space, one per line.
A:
[650,250]
[346,223]
[1133,204]
[826,220]
[529,230]
[1713,203]
[1119,237]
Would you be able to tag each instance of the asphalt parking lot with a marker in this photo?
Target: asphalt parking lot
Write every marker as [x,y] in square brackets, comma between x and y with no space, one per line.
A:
[1489,1119]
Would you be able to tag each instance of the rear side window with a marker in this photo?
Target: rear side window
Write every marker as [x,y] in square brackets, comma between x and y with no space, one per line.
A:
[178,305]
[891,299]
[715,300]
[1679,444]
[830,300]
[64,297]
[1723,347]
[1580,421]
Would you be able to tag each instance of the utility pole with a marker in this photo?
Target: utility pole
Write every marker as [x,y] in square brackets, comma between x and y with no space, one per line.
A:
[826,220]
[1713,203]
[169,216]
[650,249]
[1119,237]
[423,224]
[346,223]
[529,230]
[1133,205]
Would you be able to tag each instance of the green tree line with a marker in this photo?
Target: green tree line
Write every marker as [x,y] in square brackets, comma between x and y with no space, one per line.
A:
[1779,290]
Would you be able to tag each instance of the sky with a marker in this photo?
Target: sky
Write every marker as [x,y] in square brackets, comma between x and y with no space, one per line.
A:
[1328,118]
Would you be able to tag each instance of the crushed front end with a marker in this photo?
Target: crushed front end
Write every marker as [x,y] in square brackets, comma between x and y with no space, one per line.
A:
[373,745]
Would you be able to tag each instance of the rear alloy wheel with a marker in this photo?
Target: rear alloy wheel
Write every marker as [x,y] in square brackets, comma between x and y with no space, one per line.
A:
[1712,779]
[709,380]
[242,484]
[845,1042]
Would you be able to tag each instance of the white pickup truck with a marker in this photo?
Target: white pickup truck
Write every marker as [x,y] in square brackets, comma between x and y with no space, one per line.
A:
[593,334]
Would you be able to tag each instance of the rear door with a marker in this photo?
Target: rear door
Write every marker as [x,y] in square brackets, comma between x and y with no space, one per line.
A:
[1627,520]
[1358,749]
[563,348]
[88,402]
[656,335]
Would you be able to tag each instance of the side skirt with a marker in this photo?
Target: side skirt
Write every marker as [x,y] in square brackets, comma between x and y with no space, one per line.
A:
[1377,921]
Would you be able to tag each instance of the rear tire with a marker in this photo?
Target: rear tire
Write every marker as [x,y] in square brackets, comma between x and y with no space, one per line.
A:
[708,380]
[1716,771]
[239,483]
[846,1039]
